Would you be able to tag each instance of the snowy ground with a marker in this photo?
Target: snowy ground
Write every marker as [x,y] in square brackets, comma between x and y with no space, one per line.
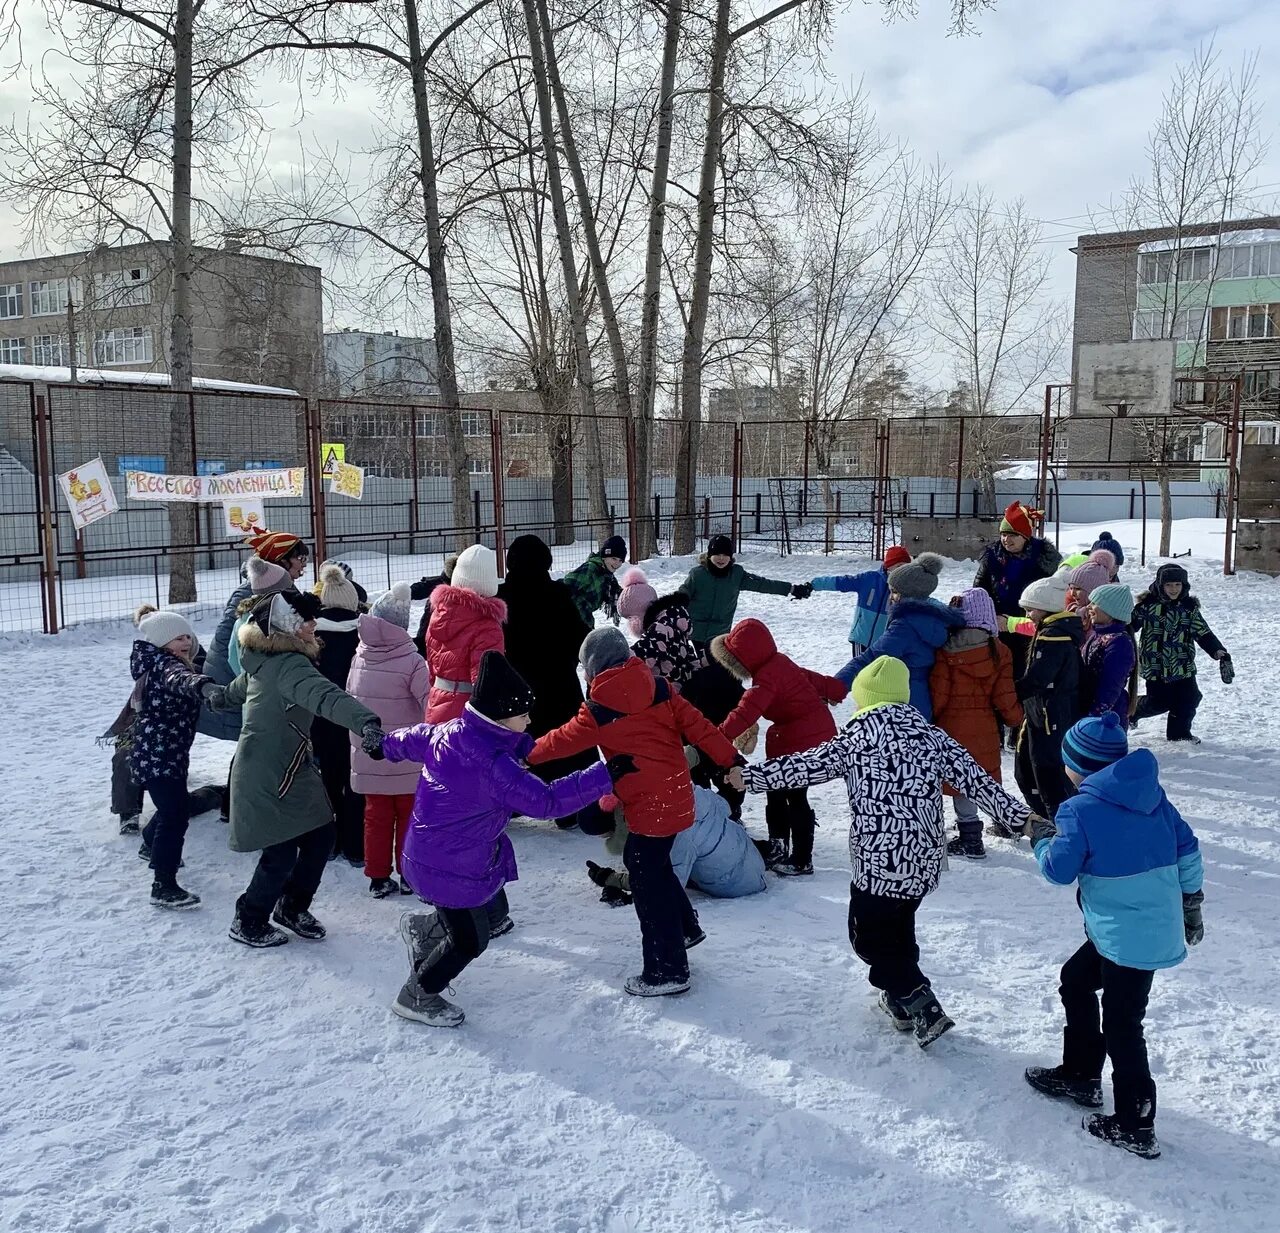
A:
[161,1079]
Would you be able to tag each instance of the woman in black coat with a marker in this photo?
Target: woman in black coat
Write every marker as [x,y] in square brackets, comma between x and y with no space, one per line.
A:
[543,633]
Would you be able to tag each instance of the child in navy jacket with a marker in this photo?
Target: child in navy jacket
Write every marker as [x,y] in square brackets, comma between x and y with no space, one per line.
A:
[1139,871]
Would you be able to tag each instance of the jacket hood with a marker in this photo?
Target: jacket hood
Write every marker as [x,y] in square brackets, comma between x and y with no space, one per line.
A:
[252,639]
[751,644]
[867,728]
[934,621]
[628,688]
[974,661]
[337,621]
[384,637]
[966,640]
[458,604]
[1131,784]
[146,656]
[1068,623]
[1170,572]
[480,734]
[663,604]
[528,554]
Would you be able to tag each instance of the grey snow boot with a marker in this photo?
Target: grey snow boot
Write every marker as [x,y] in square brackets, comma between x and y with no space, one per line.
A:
[424,937]
[928,1018]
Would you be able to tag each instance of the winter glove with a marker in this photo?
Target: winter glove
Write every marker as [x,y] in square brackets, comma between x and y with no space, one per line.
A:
[620,765]
[371,741]
[214,695]
[1226,669]
[802,590]
[1036,828]
[1193,918]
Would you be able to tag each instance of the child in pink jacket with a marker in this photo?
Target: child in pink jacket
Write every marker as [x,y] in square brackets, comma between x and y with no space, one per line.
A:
[466,621]
[390,678]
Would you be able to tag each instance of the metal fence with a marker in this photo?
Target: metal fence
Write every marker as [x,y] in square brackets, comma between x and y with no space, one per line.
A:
[777,485]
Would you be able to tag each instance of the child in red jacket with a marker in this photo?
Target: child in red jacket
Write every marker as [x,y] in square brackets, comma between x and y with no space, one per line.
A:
[633,715]
[794,701]
[466,621]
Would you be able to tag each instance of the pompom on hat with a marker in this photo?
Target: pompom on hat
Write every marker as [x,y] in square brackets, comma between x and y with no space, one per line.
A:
[1020,519]
[917,579]
[393,606]
[335,589]
[1109,543]
[266,577]
[637,594]
[1094,743]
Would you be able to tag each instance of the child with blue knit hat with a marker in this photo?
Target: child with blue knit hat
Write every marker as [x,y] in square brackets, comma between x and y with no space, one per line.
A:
[1139,872]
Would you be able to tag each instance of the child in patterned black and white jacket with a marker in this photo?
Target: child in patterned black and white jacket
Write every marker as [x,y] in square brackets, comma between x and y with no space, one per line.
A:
[894,763]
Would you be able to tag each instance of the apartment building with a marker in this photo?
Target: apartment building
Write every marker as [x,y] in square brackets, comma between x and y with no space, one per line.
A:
[255,319]
[380,364]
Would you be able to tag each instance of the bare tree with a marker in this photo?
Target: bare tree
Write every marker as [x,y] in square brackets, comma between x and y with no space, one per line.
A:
[992,311]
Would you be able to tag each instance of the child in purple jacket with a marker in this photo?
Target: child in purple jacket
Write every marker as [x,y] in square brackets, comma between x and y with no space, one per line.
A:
[457,855]
[1108,654]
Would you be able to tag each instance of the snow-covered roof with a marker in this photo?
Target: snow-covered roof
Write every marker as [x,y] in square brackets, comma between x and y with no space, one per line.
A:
[58,375]
[1228,239]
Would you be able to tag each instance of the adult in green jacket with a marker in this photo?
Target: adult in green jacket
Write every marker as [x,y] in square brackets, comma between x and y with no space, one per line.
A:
[713,586]
[278,803]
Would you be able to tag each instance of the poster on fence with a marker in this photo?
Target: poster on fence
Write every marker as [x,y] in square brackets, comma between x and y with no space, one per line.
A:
[89,493]
[332,455]
[233,486]
[348,480]
[241,517]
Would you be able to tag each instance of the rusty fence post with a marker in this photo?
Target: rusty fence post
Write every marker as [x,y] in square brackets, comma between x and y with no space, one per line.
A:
[499,494]
[48,513]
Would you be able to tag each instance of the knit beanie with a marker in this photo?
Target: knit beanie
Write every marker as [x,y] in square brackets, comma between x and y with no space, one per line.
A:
[1017,518]
[273,546]
[1106,541]
[335,588]
[917,579]
[602,649]
[265,577]
[616,547]
[1089,577]
[500,691]
[477,570]
[883,681]
[527,552]
[1116,600]
[979,610]
[1094,743]
[1102,557]
[720,545]
[1046,594]
[393,606]
[637,595]
[285,612]
[161,628]
[897,555]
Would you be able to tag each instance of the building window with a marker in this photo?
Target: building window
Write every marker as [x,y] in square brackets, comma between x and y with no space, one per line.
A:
[1250,261]
[122,288]
[13,350]
[53,349]
[426,424]
[1192,265]
[130,345]
[477,466]
[475,424]
[1245,321]
[10,300]
[1148,323]
[434,468]
[51,295]
[1261,385]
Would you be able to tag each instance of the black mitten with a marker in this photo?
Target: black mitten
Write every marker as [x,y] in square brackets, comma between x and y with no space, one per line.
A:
[371,742]
[1193,918]
[620,765]
[1226,670]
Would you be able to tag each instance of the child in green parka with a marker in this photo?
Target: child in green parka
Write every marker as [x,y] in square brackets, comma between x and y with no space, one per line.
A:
[593,585]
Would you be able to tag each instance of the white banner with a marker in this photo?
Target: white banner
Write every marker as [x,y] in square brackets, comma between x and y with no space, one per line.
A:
[234,486]
[241,517]
[89,493]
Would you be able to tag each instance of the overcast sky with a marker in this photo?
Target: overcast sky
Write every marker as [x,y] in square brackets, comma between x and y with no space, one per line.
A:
[1051,101]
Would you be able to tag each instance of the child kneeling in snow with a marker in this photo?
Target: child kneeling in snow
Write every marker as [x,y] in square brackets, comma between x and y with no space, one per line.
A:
[1139,871]
[457,855]
[894,764]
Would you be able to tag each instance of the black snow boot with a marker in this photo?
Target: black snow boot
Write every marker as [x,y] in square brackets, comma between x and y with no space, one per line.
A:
[1056,1082]
[779,853]
[1141,1141]
[131,825]
[250,931]
[170,895]
[206,800]
[928,1019]
[893,1008]
[299,921]
[971,849]
[381,888]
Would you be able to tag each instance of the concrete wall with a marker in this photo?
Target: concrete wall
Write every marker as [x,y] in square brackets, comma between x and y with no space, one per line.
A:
[1258,546]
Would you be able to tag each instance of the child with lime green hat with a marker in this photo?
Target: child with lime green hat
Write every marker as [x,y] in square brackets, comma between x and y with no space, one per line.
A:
[894,763]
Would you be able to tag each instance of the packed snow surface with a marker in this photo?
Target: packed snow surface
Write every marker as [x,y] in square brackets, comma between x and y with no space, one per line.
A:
[160,1079]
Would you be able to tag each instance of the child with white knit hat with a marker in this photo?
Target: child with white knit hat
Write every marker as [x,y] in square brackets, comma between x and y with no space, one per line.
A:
[466,621]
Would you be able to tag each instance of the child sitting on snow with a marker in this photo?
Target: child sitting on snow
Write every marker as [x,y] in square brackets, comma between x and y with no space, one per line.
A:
[457,855]
[1139,871]
[630,712]
[894,764]
[796,703]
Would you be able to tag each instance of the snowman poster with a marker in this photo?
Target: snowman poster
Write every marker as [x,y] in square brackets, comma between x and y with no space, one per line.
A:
[89,494]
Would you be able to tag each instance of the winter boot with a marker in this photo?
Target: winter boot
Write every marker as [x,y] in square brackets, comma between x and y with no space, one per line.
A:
[615,897]
[1189,739]
[249,931]
[928,1019]
[1055,1081]
[1141,1141]
[171,895]
[639,987]
[789,869]
[424,935]
[778,853]
[601,875]
[504,926]
[696,935]
[131,826]
[299,921]
[893,1008]
[206,800]
[381,888]
[429,1008]
[970,849]
[405,888]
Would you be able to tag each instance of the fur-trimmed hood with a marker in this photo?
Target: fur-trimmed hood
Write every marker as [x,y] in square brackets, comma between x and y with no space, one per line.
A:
[727,659]
[251,638]
[678,599]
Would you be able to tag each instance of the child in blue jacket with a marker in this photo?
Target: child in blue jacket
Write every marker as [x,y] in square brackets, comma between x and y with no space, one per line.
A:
[871,587]
[1138,866]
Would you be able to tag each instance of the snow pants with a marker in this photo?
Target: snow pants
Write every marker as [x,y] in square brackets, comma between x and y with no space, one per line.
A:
[165,833]
[288,872]
[1180,699]
[333,755]
[666,916]
[1044,785]
[465,934]
[883,933]
[1087,1042]
[126,796]
[386,821]
[789,818]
